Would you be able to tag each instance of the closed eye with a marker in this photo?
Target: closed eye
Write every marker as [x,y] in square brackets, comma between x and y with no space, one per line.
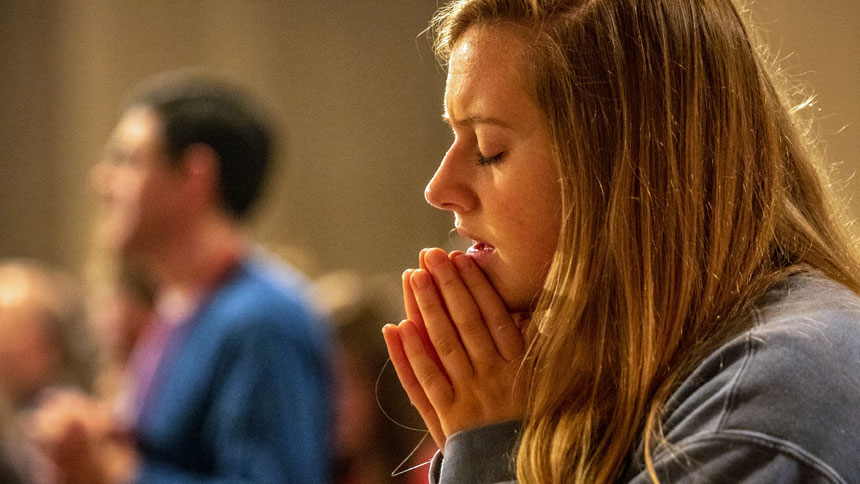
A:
[490,160]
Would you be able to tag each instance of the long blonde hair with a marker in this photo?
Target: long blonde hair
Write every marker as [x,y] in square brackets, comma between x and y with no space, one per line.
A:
[687,190]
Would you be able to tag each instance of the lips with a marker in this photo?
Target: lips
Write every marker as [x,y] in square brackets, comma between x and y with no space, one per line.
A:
[479,247]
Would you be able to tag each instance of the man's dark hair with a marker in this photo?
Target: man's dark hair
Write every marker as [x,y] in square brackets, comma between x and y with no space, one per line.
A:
[198,109]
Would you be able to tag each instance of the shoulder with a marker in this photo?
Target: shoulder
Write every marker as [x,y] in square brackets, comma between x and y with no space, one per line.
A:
[787,387]
[264,297]
[265,281]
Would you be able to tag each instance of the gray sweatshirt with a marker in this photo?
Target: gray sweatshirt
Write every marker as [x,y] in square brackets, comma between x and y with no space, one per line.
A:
[779,403]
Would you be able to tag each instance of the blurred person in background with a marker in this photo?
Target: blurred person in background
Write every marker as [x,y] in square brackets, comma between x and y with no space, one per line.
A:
[231,384]
[377,436]
[44,342]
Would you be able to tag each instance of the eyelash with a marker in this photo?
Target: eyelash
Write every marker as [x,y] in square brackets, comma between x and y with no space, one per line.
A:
[485,160]
[489,160]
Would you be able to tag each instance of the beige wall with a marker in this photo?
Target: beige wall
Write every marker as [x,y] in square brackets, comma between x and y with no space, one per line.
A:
[818,44]
[353,85]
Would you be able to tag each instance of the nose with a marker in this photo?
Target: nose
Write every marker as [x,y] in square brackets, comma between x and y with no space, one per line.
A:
[451,187]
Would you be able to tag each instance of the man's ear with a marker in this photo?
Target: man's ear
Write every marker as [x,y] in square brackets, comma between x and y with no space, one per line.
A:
[200,169]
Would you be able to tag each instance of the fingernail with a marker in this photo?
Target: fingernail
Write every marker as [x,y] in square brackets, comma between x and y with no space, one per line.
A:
[436,257]
[411,329]
[420,279]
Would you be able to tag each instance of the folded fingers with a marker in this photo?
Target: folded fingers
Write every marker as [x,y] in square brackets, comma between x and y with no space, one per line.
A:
[463,307]
[503,330]
[403,367]
[439,327]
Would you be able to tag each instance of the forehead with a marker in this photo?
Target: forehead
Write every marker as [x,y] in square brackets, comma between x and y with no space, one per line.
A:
[486,66]
[22,295]
[487,45]
[16,285]
[138,126]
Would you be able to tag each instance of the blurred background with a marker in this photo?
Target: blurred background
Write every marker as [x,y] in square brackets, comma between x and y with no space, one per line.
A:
[354,90]
[356,96]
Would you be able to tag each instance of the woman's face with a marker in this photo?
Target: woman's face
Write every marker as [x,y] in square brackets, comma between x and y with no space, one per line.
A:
[499,176]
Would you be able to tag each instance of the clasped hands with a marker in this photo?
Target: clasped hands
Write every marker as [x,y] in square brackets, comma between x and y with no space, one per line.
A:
[77,436]
[458,352]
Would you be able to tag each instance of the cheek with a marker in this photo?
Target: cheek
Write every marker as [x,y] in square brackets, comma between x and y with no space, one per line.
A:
[535,224]
[530,220]
[123,202]
[125,182]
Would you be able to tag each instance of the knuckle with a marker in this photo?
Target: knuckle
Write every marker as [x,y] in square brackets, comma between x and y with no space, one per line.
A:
[431,307]
[472,324]
[447,281]
[429,379]
[446,346]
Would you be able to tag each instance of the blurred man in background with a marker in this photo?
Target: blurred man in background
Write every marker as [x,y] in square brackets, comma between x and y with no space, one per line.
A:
[230,382]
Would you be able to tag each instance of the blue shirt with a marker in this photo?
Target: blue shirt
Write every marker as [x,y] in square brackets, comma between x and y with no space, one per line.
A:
[243,393]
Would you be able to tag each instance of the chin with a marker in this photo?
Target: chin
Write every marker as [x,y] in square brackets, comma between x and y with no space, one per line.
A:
[520,294]
[517,300]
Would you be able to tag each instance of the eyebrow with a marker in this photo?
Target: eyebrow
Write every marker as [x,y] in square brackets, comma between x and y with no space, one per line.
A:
[473,120]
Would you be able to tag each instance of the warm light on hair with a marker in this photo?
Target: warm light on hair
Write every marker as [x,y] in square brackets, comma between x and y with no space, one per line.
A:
[687,191]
